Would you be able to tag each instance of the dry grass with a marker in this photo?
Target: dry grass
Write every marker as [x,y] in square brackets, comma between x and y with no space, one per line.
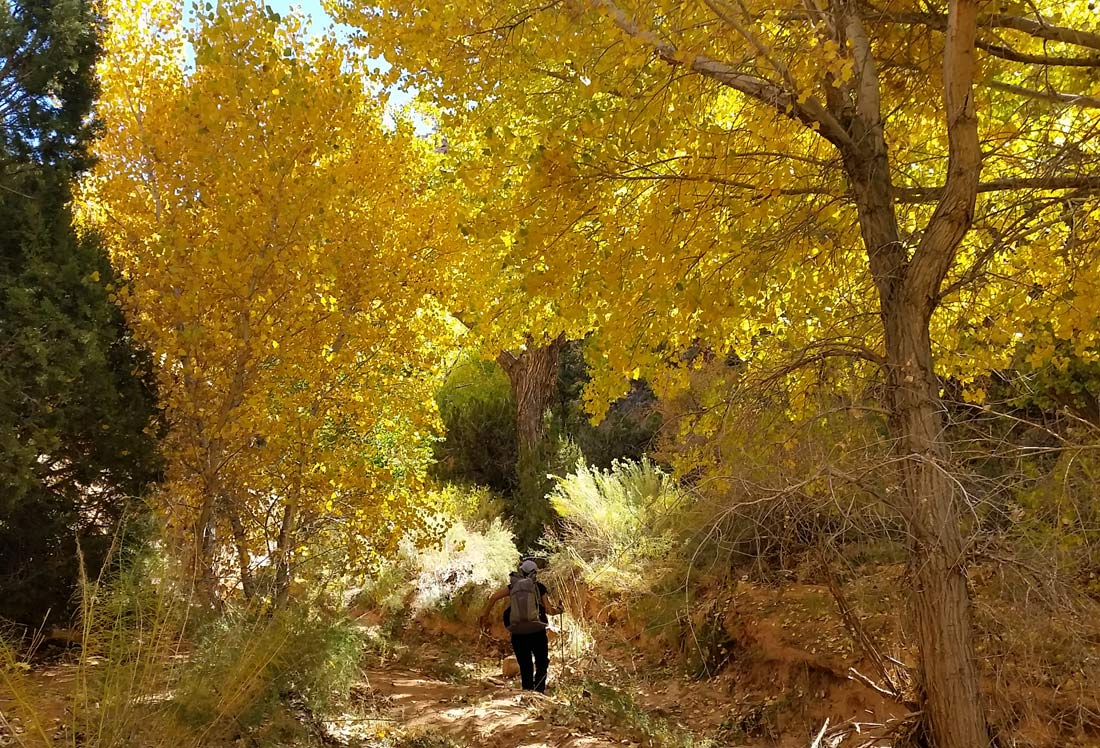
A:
[149,674]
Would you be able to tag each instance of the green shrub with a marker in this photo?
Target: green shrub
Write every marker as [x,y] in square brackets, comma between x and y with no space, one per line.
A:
[477,507]
[529,508]
[478,414]
[627,432]
[149,672]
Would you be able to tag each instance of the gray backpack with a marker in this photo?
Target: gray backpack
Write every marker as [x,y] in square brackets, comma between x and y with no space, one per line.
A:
[523,597]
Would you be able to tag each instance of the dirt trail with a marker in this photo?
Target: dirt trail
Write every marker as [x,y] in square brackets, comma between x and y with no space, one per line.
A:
[482,712]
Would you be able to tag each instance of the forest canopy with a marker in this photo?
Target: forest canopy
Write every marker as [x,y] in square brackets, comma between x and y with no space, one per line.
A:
[693,298]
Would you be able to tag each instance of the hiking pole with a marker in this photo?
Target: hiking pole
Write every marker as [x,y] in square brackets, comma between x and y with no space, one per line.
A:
[561,640]
[561,634]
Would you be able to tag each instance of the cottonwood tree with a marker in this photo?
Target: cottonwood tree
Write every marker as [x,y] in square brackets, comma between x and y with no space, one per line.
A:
[905,186]
[278,242]
[533,374]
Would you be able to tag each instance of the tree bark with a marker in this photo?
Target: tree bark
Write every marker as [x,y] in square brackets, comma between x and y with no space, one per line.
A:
[204,549]
[940,598]
[533,373]
[282,551]
[240,543]
[908,290]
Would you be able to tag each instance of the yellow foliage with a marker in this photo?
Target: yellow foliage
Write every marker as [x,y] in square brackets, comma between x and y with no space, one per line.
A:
[623,183]
[279,244]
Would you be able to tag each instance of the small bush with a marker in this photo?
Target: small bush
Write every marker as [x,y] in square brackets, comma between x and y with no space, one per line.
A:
[148,672]
[529,509]
[617,523]
[466,560]
[245,664]
[478,414]
[627,432]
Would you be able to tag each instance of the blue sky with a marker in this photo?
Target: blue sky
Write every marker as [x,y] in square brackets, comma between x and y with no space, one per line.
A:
[311,8]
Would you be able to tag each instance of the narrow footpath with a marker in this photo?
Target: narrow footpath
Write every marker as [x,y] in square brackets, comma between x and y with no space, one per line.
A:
[484,711]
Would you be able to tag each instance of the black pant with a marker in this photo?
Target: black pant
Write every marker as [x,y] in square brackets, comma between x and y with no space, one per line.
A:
[533,655]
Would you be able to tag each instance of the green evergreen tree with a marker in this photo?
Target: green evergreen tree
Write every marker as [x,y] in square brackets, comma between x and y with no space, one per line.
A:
[76,402]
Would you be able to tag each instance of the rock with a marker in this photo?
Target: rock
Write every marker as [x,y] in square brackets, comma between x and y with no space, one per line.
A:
[510,669]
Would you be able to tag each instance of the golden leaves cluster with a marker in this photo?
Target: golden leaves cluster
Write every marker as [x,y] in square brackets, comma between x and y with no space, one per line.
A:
[279,241]
[631,195]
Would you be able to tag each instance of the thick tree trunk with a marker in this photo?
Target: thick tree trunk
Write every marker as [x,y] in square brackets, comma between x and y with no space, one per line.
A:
[533,374]
[940,598]
[908,289]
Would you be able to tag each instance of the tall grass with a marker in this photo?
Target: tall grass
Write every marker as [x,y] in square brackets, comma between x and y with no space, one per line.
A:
[150,671]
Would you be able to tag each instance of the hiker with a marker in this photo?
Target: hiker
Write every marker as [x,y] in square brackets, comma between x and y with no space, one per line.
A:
[525,618]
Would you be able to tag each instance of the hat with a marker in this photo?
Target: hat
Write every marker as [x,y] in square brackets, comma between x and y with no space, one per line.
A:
[528,567]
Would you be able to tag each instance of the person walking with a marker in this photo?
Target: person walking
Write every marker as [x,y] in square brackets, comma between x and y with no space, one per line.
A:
[526,619]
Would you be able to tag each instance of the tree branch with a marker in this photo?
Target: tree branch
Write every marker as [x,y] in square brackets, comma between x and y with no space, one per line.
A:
[1084,185]
[1054,97]
[1008,184]
[954,213]
[868,98]
[1008,53]
[810,113]
[999,244]
[761,49]
[1039,29]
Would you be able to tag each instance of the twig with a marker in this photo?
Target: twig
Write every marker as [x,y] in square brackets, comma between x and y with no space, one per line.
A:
[855,627]
[856,675]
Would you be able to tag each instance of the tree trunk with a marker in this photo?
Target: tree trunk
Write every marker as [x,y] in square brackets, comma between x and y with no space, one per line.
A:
[204,549]
[282,552]
[240,542]
[533,374]
[939,598]
[908,289]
